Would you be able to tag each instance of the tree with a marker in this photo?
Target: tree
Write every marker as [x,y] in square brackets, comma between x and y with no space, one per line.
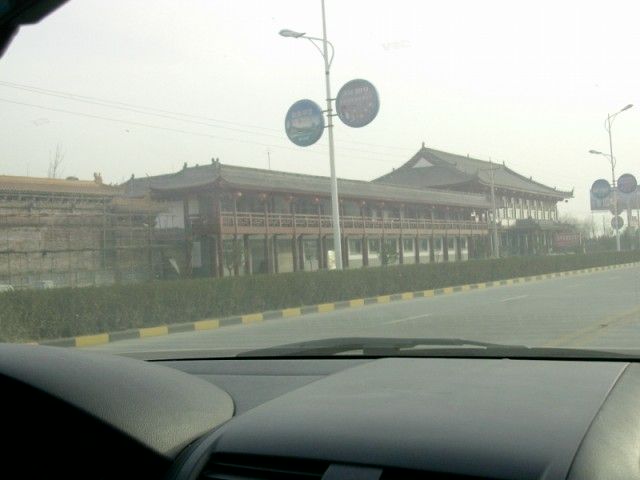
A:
[585,225]
[388,253]
[233,256]
[55,162]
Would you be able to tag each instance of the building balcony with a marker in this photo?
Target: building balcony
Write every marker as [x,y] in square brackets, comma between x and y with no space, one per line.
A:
[245,223]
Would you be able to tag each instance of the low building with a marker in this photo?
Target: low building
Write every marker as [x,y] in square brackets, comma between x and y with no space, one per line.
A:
[72,233]
[435,208]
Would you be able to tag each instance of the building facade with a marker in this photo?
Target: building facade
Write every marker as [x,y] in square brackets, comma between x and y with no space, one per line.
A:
[72,233]
[239,221]
[526,210]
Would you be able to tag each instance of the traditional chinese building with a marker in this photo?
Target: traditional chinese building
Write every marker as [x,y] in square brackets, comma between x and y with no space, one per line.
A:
[435,208]
[526,210]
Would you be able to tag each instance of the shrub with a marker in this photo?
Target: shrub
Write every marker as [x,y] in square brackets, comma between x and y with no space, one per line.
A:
[57,313]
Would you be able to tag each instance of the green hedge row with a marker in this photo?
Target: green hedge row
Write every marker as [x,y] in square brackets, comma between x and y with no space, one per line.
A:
[46,314]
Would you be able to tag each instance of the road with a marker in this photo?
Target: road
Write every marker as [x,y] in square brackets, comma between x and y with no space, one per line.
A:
[593,310]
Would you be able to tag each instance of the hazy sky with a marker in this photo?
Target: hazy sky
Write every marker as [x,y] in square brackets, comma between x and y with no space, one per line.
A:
[528,83]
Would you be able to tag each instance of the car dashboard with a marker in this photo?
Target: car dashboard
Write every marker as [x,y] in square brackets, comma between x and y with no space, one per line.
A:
[325,418]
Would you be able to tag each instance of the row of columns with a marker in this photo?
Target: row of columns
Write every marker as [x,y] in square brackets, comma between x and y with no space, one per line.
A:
[242,248]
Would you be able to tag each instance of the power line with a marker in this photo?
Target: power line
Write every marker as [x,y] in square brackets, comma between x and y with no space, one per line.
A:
[175,130]
[178,116]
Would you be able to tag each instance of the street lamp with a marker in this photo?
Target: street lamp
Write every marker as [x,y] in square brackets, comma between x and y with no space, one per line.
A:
[337,240]
[612,159]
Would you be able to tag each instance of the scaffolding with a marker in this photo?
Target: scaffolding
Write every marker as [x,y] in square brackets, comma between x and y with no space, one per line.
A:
[77,239]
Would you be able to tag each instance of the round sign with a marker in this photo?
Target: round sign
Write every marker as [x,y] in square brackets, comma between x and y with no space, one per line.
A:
[601,188]
[304,123]
[617,223]
[627,183]
[357,103]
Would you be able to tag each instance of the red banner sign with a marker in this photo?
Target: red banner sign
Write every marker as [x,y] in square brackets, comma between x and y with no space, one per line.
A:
[566,240]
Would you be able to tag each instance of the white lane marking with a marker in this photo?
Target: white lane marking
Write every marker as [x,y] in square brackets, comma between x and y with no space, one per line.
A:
[513,298]
[406,319]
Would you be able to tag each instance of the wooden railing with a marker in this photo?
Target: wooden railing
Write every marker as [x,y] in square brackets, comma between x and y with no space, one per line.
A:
[283,221]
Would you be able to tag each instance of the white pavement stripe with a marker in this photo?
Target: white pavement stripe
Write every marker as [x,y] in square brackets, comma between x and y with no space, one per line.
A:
[513,298]
[406,319]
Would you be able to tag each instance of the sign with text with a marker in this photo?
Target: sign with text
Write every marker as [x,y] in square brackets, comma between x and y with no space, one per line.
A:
[304,123]
[617,223]
[600,195]
[357,103]
[627,183]
[566,240]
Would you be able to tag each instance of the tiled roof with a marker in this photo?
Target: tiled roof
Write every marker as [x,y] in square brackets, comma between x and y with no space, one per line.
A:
[270,180]
[437,169]
[15,184]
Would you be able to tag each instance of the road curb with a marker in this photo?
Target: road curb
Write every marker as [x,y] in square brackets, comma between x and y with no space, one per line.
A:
[252,318]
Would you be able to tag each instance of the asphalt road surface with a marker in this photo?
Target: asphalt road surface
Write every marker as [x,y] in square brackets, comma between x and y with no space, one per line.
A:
[593,310]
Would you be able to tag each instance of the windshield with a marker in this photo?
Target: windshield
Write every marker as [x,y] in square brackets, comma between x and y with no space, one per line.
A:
[219,178]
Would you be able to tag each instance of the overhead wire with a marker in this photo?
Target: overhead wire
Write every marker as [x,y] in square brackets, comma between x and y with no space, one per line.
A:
[175,130]
[183,117]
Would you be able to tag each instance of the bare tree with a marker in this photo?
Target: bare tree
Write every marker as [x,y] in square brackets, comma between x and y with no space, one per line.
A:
[55,162]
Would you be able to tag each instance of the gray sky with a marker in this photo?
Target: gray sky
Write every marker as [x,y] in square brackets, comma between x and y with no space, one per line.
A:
[525,83]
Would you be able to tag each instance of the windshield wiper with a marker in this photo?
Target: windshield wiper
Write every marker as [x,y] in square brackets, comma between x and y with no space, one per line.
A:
[423,347]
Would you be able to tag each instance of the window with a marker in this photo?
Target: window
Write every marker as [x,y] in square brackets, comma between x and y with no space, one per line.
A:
[407,244]
[424,244]
[355,246]
[451,243]
[374,245]
[438,243]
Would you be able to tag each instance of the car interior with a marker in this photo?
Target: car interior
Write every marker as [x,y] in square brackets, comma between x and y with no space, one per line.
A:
[314,414]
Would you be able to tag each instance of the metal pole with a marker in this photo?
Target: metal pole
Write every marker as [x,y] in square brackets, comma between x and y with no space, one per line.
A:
[337,240]
[613,184]
[496,240]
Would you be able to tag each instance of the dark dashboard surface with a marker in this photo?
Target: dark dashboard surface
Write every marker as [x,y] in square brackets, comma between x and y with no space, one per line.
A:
[326,418]
[486,418]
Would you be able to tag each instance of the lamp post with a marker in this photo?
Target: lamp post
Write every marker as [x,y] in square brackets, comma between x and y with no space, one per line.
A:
[337,240]
[612,159]
[615,191]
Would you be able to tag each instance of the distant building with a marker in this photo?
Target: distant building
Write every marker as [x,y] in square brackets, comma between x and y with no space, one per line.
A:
[72,233]
[435,208]
[527,210]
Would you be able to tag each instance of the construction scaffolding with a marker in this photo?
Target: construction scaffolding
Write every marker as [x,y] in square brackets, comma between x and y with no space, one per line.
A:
[77,238]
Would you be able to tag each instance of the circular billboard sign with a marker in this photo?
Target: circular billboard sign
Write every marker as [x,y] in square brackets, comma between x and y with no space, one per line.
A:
[617,223]
[357,103]
[627,183]
[601,188]
[304,123]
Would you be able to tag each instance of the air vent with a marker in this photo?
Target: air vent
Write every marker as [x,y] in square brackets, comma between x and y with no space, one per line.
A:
[257,467]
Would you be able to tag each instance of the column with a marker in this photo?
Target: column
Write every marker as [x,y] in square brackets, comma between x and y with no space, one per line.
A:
[220,250]
[345,251]
[320,252]
[248,264]
[274,246]
[301,254]
[236,255]
[365,251]
[213,253]
[294,252]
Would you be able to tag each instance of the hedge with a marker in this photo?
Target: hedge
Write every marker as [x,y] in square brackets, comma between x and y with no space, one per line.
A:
[31,315]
